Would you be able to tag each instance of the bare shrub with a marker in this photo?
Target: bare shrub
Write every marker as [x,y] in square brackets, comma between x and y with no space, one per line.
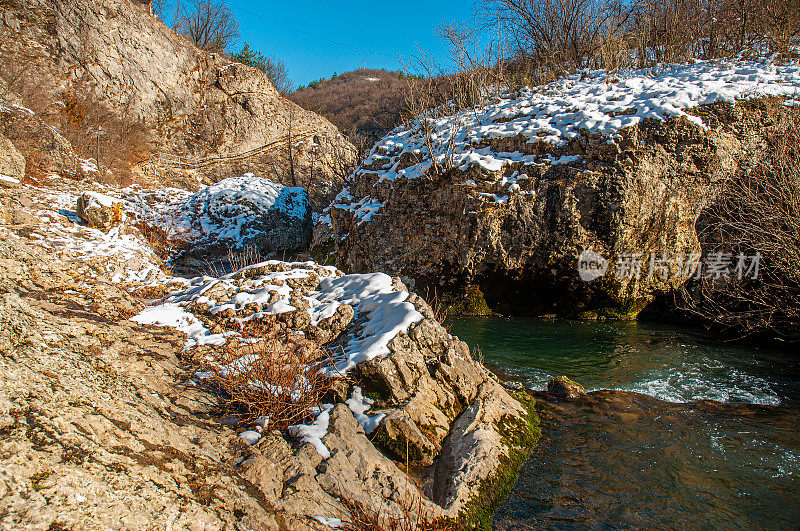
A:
[551,37]
[234,260]
[114,139]
[411,518]
[209,24]
[559,34]
[277,378]
[157,238]
[757,212]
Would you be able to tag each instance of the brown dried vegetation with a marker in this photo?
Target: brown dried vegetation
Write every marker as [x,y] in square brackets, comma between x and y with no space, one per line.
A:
[275,378]
[757,212]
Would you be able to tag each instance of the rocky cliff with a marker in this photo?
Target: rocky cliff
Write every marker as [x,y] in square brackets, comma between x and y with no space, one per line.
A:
[192,103]
[508,196]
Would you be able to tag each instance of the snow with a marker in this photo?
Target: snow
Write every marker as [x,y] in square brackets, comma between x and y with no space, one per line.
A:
[120,257]
[174,316]
[335,523]
[359,405]
[381,314]
[594,103]
[313,433]
[385,312]
[102,200]
[230,292]
[88,165]
[250,436]
[494,197]
[227,212]
[8,179]
[362,210]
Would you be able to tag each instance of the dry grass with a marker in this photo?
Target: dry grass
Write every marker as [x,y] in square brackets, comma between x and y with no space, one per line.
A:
[411,519]
[158,239]
[234,260]
[276,378]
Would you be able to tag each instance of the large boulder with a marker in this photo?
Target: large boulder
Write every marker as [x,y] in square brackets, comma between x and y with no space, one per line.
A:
[431,405]
[517,192]
[246,212]
[100,211]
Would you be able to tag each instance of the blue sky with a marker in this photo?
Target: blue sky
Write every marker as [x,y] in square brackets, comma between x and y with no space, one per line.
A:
[392,29]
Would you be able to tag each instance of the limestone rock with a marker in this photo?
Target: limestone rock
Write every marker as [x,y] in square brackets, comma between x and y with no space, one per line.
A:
[563,387]
[12,164]
[103,421]
[639,195]
[197,104]
[100,211]
[44,148]
[245,212]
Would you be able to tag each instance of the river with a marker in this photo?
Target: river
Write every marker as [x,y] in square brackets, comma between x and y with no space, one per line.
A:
[679,430]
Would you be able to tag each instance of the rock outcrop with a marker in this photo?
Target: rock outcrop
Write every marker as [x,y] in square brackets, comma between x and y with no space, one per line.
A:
[194,103]
[237,213]
[12,163]
[563,387]
[44,148]
[422,382]
[106,423]
[99,210]
[523,186]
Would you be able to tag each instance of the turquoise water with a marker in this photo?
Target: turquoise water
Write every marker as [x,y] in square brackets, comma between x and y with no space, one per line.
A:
[670,363]
[679,432]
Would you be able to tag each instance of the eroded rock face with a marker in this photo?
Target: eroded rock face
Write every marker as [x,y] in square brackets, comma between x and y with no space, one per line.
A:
[196,104]
[43,147]
[518,232]
[12,163]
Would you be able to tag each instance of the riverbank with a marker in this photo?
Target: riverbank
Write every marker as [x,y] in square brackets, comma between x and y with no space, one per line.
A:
[677,430]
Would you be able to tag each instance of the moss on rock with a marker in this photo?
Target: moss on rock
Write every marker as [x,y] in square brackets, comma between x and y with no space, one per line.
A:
[472,303]
[520,436]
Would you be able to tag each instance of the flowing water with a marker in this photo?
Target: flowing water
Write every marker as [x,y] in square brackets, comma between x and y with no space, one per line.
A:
[679,431]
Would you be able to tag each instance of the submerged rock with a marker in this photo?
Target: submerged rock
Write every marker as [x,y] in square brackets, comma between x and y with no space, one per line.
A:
[563,387]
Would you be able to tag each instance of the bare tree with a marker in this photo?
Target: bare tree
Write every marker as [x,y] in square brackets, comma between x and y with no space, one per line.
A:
[209,24]
[555,34]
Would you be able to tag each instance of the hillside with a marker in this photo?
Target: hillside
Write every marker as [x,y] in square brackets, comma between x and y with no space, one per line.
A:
[364,104]
[100,72]
[121,408]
